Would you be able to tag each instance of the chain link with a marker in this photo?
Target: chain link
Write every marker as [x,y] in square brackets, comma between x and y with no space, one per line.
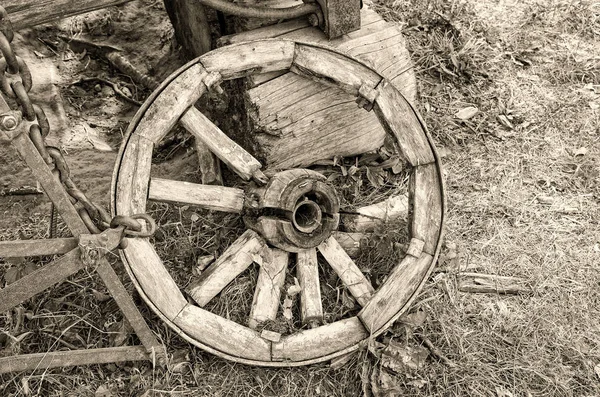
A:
[16,82]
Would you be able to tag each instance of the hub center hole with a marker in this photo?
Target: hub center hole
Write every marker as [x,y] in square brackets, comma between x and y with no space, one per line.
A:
[307,216]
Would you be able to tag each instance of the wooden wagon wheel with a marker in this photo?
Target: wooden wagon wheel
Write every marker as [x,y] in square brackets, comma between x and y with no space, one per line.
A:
[290,214]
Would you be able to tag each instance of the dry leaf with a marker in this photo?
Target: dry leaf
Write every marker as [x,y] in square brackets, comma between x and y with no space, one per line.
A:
[466,113]
[502,119]
[594,105]
[582,151]
[597,370]
[545,200]
[414,319]
[287,309]
[400,358]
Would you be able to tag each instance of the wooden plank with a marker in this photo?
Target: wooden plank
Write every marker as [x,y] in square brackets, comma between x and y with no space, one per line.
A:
[347,271]
[492,284]
[40,280]
[153,277]
[401,121]
[307,271]
[320,341]
[232,154]
[243,59]
[24,248]
[133,176]
[393,297]
[370,217]
[223,335]
[47,360]
[218,198]
[267,294]
[28,13]
[174,99]
[330,68]
[235,260]
[427,206]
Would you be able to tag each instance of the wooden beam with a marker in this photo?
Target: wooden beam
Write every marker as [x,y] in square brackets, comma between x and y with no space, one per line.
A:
[24,248]
[46,360]
[28,13]
[218,198]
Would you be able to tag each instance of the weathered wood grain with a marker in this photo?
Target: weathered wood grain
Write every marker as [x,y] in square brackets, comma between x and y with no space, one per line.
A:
[134,176]
[267,294]
[171,103]
[235,260]
[218,198]
[347,271]
[243,59]
[153,277]
[400,120]
[222,334]
[320,341]
[307,271]
[28,13]
[394,294]
[427,206]
[296,120]
[330,68]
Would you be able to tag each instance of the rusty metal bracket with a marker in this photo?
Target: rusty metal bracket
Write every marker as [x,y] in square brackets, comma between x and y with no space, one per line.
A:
[339,17]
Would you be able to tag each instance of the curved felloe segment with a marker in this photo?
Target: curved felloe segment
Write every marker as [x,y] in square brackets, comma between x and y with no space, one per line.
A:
[400,120]
[245,250]
[222,334]
[267,294]
[244,59]
[320,341]
[307,271]
[162,115]
[134,176]
[427,206]
[347,271]
[232,154]
[218,198]
[155,280]
[331,68]
[395,293]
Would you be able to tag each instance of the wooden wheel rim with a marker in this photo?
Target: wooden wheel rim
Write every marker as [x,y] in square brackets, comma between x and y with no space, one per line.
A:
[131,180]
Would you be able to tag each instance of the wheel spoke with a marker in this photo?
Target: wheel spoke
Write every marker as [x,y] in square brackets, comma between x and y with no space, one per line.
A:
[368,218]
[347,271]
[268,286]
[232,154]
[211,197]
[307,271]
[232,263]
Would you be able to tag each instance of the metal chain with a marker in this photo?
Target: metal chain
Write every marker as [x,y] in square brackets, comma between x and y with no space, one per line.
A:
[16,82]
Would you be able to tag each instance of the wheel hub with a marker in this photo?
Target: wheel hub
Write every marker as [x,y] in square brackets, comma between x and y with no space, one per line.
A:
[296,210]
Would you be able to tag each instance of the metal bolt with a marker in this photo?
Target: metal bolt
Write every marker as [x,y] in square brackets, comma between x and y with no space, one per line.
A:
[9,123]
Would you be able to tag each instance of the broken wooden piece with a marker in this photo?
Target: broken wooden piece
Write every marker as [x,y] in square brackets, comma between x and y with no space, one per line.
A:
[347,271]
[267,294]
[492,284]
[245,250]
[369,218]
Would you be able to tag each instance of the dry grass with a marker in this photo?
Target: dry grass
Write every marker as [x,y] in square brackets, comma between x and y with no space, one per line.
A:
[523,201]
